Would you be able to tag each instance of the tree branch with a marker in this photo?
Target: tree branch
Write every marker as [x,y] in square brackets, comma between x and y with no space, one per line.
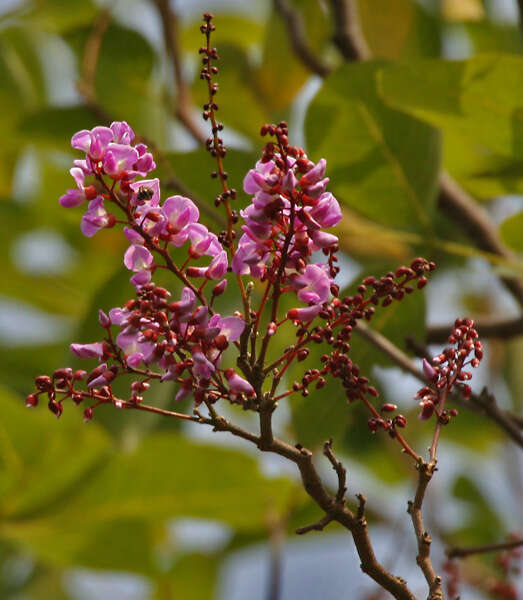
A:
[348,36]
[494,328]
[298,37]
[425,472]
[457,552]
[172,46]
[475,221]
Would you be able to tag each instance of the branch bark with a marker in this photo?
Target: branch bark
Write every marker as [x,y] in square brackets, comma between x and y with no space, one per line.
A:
[463,552]
[475,221]
[425,472]
[348,36]
[495,328]
[298,38]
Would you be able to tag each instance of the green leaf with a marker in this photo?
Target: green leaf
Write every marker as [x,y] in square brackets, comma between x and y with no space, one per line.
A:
[382,163]
[55,126]
[193,577]
[511,231]
[43,462]
[58,16]
[479,98]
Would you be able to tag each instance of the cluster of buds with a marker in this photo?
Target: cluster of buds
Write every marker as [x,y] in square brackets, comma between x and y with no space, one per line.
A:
[447,371]
[179,337]
[509,564]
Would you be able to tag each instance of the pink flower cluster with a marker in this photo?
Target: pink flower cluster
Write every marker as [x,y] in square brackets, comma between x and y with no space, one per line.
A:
[108,152]
[112,165]
[285,223]
[179,337]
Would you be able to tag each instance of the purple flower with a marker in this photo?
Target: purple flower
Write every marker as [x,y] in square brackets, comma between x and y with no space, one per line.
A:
[93,142]
[314,174]
[230,327]
[260,178]
[137,258]
[313,285]
[122,133]
[180,212]
[304,314]
[203,367]
[76,197]
[95,350]
[327,211]
[218,267]
[118,159]
[152,187]
[95,218]
[238,385]
[186,304]
[145,162]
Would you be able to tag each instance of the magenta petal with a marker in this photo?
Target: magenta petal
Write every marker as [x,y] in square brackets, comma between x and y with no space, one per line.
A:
[94,350]
[134,359]
[141,278]
[81,140]
[231,327]
[72,198]
[137,258]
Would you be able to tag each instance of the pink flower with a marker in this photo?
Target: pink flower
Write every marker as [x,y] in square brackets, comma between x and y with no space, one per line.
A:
[76,197]
[230,327]
[180,211]
[238,385]
[122,133]
[304,314]
[137,258]
[313,285]
[95,218]
[118,159]
[260,178]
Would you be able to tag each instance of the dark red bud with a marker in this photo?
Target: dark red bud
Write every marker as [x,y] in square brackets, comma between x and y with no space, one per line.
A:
[388,407]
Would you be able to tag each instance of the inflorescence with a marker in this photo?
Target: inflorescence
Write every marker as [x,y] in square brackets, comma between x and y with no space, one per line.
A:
[285,249]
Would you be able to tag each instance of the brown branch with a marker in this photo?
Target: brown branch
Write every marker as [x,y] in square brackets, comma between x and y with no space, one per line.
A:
[502,329]
[475,221]
[383,344]
[298,37]
[317,526]
[340,471]
[425,472]
[355,524]
[520,7]
[457,552]
[172,46]
[348,36]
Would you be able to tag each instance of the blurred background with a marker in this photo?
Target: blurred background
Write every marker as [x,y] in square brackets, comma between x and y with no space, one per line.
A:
[134,507]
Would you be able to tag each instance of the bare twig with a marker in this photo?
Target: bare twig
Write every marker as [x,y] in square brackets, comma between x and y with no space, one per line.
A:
[298,37]
[317,526]
[348,36]
[502,329]
[171,41]
[425,472]
[462,552]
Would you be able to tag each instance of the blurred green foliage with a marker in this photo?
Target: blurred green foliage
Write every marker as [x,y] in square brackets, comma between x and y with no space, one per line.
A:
[99,496]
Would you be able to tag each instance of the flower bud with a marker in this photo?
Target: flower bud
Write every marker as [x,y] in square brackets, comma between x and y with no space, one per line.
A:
[388,407]
[31,400]
[103,319]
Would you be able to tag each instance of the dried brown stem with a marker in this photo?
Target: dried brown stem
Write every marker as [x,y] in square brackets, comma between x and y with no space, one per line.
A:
[425,472]
[172,46]
[298,37]
[463,552]
[495,328]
